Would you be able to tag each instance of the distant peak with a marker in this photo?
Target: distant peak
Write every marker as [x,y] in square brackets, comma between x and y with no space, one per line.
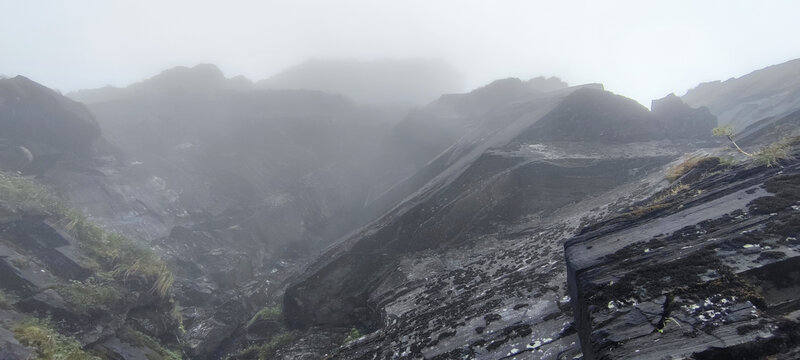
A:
[201,78]
[543,84]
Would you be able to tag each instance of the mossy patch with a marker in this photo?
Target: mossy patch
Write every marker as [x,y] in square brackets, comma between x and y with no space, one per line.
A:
[48,343]
[90,295]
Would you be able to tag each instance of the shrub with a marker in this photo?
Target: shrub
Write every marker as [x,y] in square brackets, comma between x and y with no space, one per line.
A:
[781,150]
[353,335]
[48,343]
[727,131]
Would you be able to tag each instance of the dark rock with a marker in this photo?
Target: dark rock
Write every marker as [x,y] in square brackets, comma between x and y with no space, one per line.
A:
[43,121]
[469,195]
[700,258]
[682,121]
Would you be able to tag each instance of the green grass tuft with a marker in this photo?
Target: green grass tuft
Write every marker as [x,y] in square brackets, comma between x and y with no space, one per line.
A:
[5,300]
[90,294]
[274,312]
[353,335]
[48,343]
[110,252]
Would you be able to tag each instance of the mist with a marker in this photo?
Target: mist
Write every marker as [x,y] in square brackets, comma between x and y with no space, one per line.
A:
[358,179]
[642,51]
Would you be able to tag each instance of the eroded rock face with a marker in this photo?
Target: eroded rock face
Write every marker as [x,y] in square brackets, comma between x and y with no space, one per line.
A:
[740,102]
[508,295]
[706,271]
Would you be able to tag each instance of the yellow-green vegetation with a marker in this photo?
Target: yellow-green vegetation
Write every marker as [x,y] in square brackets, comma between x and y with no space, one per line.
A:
[353,335]
[110,252]
[265,350]
[90,294]
[781,150]
[679,170]
[123,257]
[274,312]
[5,300]
[659,201]
[48,343]
[176,315]
[727,161]
[19,195]
[137,338]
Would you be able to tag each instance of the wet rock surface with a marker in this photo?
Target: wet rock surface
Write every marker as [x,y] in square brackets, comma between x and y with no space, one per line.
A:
[706,271]
[468,262]
[471,266]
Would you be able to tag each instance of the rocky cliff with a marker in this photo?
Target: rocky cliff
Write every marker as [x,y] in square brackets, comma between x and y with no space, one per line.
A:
[765,93]
[470,264]
[533,220]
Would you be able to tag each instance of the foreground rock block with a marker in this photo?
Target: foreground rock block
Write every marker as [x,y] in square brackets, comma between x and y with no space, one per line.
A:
[710,271]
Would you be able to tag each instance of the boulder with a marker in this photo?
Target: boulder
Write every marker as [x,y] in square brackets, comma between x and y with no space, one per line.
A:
[44,121]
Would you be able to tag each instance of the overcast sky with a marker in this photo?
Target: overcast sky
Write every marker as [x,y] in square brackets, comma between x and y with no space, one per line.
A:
[641,49]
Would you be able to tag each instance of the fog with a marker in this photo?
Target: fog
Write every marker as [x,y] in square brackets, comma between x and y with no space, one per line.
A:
[643,51]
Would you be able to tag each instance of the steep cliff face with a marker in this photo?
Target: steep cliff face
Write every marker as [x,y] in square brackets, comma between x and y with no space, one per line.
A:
[469,264]
[769,92]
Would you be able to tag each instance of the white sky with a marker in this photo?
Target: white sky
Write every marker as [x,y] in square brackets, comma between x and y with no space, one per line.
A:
[641,49]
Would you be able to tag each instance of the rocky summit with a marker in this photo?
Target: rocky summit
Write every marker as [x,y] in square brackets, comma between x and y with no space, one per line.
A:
[195,216]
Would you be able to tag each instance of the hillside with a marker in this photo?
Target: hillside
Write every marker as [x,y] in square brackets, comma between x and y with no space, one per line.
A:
[197,216]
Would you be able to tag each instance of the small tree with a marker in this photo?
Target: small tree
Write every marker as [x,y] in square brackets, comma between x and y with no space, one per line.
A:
[727,131]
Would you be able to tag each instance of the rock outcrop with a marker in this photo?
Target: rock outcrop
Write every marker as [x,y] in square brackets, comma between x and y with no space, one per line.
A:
[706,269]
[470,264]
[770,92]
